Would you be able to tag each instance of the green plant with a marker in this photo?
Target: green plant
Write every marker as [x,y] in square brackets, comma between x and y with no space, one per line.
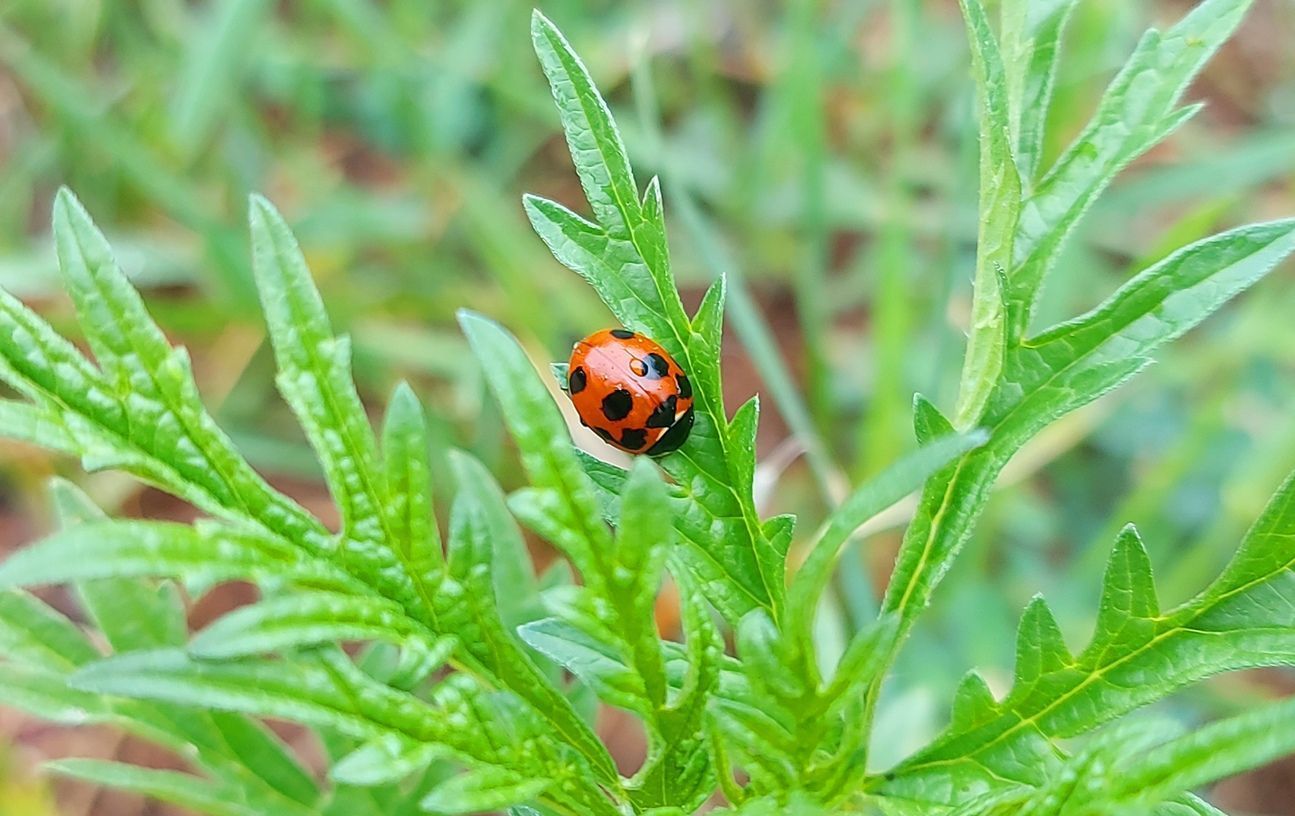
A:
[459,700]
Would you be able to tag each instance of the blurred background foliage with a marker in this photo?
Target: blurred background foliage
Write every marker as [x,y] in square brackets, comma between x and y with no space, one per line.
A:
[820,152]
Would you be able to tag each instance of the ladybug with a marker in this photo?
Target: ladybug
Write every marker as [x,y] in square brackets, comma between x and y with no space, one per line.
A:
[630,392]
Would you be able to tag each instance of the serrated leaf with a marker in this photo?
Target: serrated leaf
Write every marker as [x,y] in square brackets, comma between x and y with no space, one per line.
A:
[330,693]
[766,660]
[1138,110]
[681,771]
[1205,755]
[292,691]
[708,322]
[571,512]
[611,265]
[478,524]
[771,559]
[1128,593]
[741,438]
[1077,361]
[1065,369]
[973,702]
[132,614]
[146,385]
[624,258]
[315,376]
[596,146]
[1242,620]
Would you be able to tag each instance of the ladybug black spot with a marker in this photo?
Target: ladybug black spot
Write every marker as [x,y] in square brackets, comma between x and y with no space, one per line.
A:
[685,387]
[663,415]
[622,334]
[577,381]
[618,404]
[657,367]
[633,438]
[673,438]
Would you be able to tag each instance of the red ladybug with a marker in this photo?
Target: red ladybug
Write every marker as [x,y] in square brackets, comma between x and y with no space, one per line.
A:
[629,391]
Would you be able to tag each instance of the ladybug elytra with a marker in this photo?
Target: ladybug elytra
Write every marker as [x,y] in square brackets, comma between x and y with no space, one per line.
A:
[630,391]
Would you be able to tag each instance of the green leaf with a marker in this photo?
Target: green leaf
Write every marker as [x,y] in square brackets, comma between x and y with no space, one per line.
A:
[480,531]
[1067,368]
[1139,109]
[1138,655]
[888,487]
[116,549]
[292,691]
[594,662]
[405,448]
[35,425]
[1000,203]
[304,619]
[708,323]
[1206,754]
[132,614]
[611,265]
[315,375]
[516,592]
[43,693]
[34,635]
[182,789]
[482,790]
[624,257]
[605,175]
[1072,364]
[570,510]
[681,772]
[642,537]
[1032,33]
[144,413]
[383,761]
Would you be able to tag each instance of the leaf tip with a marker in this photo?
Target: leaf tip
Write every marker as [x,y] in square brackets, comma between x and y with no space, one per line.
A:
[1040,647]
[928,422]
[469,320]
[259,208]
[403,400]
[541,26]
[67,205]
